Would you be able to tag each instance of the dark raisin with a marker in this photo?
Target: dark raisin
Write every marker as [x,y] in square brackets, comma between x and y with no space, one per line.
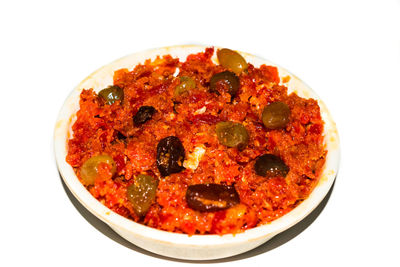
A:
[211,197]
[144,114]
[269,165]
[170,155]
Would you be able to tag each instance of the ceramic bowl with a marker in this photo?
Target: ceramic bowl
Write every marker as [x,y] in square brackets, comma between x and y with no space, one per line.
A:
[182,246]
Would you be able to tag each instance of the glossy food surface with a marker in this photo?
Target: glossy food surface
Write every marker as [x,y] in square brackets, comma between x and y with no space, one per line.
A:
[179,146]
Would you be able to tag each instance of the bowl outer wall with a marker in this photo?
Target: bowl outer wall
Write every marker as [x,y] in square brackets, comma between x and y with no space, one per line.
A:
[181,245]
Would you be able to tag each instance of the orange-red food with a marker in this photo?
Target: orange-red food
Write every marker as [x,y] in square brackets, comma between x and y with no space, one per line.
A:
[192,115]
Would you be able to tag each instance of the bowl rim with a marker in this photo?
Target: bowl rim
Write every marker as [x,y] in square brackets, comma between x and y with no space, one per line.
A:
[63,130]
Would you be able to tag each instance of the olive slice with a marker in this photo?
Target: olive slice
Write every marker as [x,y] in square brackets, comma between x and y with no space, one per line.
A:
[269,165]
[170,155]
[142,193]
[112,94]
[232,60]
[225,78]
[232,134]
[144,114]
[211,197]
[276,115]
[89,169]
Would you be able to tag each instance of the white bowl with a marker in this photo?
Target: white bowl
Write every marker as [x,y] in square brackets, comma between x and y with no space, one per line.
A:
[182,246]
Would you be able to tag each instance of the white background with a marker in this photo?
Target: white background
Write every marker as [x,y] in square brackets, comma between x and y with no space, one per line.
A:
[347,51]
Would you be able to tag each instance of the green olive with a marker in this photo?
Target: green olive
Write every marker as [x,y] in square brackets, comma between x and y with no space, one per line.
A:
[232,60]
[276,115]
[232,134]
[185,85]
[89,169]
[112,94]
[142,193]
[229,79]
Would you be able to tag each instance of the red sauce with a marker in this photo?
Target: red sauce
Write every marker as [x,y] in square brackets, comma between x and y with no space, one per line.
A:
[109,129]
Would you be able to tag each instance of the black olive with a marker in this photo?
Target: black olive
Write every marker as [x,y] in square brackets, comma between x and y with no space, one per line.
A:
[269,165]
[211,197]
[170,155]
[112,94]
[225,78]
[144,114]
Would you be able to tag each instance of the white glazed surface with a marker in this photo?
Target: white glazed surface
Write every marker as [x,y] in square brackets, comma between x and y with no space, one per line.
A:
[197,247]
